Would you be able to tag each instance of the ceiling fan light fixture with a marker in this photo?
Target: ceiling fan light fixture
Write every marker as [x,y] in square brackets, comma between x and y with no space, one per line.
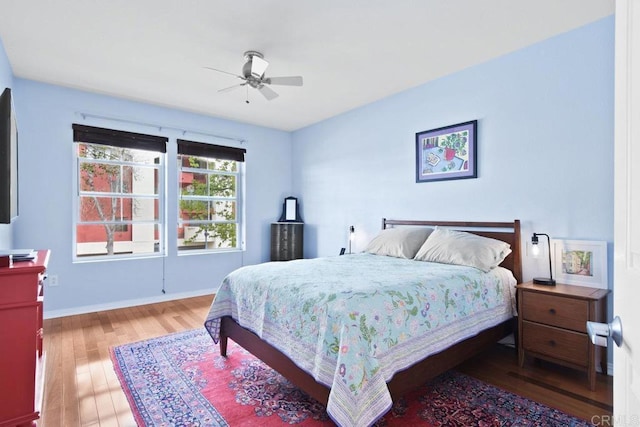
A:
[255,65]
[258,67]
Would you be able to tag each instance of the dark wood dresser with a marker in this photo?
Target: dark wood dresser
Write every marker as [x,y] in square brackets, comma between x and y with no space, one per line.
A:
[286,241]
[552,325]
[21,357]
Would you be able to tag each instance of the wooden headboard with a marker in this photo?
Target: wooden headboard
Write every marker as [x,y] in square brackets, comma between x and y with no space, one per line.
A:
[506,231]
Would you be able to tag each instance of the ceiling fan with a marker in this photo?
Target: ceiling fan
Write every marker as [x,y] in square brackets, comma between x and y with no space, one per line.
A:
[253,75]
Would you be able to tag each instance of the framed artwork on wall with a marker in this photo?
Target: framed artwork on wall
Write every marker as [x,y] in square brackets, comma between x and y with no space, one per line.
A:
[447,153]
[580,262]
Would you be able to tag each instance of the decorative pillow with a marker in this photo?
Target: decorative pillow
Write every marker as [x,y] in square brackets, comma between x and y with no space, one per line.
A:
[461,248]
[401,242]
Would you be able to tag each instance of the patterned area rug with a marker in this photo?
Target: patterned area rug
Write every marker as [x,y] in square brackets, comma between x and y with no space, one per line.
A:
[181,380]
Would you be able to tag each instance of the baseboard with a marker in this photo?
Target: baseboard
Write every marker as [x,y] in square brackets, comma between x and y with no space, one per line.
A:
[52,314]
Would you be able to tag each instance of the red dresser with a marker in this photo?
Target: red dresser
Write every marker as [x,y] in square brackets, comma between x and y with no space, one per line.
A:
[21,356]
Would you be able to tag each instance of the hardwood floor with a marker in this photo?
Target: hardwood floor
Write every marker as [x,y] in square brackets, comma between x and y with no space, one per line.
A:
[553,385]
[81,388]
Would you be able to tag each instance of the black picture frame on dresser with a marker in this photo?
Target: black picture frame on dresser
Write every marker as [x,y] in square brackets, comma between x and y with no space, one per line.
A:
[290,210]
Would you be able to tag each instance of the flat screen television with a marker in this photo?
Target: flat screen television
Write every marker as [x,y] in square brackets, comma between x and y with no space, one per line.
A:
[8,159]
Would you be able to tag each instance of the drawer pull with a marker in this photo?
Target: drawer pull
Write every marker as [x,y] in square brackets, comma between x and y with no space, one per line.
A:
[552,310]
[552,343]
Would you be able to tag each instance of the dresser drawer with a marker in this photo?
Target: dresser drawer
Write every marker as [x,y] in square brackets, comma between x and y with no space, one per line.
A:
[557,311]
[557,343]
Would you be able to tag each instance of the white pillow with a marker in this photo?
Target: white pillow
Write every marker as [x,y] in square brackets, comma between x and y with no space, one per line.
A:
[401,242]
[461,248]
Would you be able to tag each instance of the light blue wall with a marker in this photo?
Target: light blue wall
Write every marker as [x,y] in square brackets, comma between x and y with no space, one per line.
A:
[545,149]
[46,114]
[6,80]
[545,156]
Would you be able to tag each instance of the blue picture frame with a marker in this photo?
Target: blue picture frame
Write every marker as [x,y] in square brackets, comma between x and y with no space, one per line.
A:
[447,153]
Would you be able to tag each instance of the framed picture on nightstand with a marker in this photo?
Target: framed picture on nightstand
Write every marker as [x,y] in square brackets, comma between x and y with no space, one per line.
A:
[580,262]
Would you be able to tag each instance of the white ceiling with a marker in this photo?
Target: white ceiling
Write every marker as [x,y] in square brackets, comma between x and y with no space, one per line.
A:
[350,52]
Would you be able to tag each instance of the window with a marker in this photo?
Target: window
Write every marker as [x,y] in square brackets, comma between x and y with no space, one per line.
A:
[209,196]
[120,193]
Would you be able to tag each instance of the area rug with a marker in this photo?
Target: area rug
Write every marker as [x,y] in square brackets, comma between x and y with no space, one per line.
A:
[181,380]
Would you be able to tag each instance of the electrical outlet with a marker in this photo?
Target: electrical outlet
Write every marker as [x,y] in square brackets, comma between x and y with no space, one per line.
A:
[53,280]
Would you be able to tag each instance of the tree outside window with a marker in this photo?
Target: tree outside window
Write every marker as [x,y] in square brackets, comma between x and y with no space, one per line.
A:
[208,203]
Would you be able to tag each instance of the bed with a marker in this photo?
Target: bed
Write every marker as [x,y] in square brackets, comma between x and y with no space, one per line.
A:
[358,331]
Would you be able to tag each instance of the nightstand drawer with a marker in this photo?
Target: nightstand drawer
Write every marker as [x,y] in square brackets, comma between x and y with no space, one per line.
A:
[557,343]
[557,311]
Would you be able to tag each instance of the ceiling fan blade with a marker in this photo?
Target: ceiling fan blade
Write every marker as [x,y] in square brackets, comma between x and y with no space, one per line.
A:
[225,72]
[258,66]
[267,92]
[227,89]
[287,81]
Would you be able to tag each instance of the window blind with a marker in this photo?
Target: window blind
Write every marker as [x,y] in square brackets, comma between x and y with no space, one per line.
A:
[118,138]
[192,148]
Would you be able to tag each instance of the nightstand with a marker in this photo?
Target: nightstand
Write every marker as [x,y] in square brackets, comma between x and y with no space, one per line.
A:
[552,325]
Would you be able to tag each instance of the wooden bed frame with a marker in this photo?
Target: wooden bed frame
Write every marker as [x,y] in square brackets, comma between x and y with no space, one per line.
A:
[417,374]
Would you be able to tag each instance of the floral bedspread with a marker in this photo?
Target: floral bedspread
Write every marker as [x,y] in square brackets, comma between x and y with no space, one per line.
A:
[353,321]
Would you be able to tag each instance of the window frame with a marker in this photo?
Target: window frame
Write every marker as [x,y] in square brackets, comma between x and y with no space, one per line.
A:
[121,140]
[210,152]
